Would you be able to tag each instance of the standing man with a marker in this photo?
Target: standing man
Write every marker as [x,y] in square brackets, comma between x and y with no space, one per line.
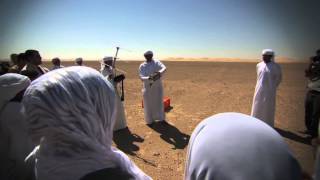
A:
[312,101]
[150,73]
[33,68]
[79,61]
[56,63]
[20,63]
[108,72]
[268,79]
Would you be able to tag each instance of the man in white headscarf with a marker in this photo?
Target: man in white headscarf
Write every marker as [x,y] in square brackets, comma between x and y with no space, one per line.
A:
[269,76]
[71,113]
[230,146]
[151,72]
[15,143]
[108,71]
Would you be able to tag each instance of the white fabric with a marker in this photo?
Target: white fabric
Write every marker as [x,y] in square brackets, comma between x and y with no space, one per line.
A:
[120,122]
[70,112]
[56,67]
[10,85]
[231,146]
[148,53]
[269,52]
[152,91]
[264,100]
[15,143]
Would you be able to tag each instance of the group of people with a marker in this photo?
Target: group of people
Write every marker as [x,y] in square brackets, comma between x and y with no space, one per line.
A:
[59,125]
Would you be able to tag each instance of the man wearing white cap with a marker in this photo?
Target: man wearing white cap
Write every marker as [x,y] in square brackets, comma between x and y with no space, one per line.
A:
[15,144]
[150,73]
[107,71]
[268,79]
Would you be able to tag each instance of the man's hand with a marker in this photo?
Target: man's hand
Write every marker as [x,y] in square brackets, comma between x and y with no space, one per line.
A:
[155,76]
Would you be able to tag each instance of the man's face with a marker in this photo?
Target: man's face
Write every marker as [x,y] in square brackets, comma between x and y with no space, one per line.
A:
[267,58]
[36,59]
[148,57]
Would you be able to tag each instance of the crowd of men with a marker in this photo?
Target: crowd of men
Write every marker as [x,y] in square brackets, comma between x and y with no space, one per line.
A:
[60,126]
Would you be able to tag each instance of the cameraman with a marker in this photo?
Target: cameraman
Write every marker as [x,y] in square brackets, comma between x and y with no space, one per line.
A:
[312,101]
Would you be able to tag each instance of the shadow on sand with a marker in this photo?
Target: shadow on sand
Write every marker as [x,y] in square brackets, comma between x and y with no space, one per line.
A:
[294,137]
[124,140]
[171,134]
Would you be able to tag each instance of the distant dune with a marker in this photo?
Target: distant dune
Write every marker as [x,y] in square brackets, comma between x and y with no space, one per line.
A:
[205,59]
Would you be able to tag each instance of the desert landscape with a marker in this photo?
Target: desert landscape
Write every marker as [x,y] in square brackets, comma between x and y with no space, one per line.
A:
[198,90]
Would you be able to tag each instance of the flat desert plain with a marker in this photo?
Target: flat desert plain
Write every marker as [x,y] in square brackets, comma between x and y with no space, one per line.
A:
[198,90]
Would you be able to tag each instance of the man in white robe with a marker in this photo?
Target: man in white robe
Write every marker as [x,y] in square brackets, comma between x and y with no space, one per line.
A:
[268,79]
[107,71]
[150,73]
[15,143]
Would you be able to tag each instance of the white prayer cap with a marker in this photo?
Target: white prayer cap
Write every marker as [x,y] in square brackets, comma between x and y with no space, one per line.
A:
[10,85]
[148,53]
[268,52]
[107,58]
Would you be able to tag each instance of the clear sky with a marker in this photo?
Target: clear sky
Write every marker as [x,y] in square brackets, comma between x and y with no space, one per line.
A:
[171,28]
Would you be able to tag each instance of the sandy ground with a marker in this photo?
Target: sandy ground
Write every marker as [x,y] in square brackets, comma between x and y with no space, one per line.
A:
[199,90]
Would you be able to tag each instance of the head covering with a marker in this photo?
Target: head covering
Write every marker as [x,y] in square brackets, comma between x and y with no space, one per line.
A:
[236,146]
[10,85]
[148,53]
[71,112]
[268,52]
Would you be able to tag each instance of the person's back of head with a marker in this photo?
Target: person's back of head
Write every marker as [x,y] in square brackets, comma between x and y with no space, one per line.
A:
[79,61]
[56,61]
[231,146]
[21,60]
[33,57]
[70,112]
[13,58]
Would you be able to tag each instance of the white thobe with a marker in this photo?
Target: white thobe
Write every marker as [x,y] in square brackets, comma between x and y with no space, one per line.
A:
[264,100]
[120,122]
[56,67]
[152,91]
[15,143]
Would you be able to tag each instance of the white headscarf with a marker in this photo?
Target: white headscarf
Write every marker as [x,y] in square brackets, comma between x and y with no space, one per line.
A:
[105,69]
[71,113]
[269,52]
[231,146]
[10,85]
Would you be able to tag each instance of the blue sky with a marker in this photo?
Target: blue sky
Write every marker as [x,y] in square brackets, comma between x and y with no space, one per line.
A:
[171,28]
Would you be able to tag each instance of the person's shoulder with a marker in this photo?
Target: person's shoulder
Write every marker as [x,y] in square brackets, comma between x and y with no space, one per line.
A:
[260,64]
[143,64]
